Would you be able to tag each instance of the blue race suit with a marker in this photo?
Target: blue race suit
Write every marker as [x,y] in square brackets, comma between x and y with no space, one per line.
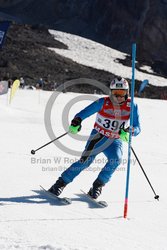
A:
[102,140]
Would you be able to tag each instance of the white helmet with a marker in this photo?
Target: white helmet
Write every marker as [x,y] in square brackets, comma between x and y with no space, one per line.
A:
[119,87]
[119,83]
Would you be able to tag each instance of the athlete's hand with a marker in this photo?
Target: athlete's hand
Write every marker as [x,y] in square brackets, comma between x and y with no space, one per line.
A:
[124,136]
[75,126]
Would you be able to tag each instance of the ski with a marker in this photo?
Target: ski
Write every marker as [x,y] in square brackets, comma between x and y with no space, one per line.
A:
[101,204]
[64,200]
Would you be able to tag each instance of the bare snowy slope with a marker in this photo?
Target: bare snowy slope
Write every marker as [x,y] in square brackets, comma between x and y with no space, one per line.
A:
[96,55]
[30,221]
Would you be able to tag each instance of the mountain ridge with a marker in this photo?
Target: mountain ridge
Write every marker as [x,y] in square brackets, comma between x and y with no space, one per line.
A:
[114,23]
[28,38]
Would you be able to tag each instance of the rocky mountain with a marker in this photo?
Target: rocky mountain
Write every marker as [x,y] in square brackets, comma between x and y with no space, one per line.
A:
[114,23]
[111,22]
[26,54]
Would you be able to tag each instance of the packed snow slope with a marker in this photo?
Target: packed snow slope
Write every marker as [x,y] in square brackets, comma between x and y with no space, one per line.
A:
[28,220]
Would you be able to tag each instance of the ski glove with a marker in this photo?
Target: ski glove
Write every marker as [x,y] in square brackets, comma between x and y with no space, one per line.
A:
[75,126]
[124,136]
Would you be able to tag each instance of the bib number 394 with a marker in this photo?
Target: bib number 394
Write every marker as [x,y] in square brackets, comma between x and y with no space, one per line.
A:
[113,125]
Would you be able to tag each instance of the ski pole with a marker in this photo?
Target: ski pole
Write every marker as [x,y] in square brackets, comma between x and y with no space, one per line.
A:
[130,130]
[33,151]
[156,196]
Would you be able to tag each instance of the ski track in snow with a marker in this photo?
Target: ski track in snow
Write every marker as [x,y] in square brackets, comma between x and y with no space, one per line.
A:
[30,221]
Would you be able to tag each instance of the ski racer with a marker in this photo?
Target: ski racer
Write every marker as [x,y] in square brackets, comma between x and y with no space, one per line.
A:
[110,129]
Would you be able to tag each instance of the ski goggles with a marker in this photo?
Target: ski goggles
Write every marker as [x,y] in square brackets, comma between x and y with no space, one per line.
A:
[119,92]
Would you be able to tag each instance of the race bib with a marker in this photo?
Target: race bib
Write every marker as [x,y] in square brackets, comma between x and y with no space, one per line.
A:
[109,126]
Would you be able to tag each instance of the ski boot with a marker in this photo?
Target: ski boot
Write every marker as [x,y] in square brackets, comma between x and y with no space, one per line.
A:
[58,187]
[96,190]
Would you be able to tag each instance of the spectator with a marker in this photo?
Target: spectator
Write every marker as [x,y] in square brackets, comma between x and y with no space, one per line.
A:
[22,83]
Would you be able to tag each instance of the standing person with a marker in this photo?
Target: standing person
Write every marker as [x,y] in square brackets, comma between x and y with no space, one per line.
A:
[110,129]
[22,82]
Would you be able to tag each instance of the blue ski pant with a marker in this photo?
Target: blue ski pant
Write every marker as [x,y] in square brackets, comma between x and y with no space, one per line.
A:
[97,143]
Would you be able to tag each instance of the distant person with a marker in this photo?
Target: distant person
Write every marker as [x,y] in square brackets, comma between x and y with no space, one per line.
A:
[22,82]
[110,129]
[10,82]
[40,83]
[55,85]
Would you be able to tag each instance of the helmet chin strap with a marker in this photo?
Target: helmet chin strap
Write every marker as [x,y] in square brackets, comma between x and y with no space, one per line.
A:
[126,97]
[120,103]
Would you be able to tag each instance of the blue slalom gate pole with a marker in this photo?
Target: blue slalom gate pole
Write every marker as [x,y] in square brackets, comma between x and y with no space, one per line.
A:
[130,130]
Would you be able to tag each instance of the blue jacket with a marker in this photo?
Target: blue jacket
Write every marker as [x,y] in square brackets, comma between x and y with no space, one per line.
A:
[97,106]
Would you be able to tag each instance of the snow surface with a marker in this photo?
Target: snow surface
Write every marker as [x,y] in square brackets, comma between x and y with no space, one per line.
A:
[30,221]
[96,55]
